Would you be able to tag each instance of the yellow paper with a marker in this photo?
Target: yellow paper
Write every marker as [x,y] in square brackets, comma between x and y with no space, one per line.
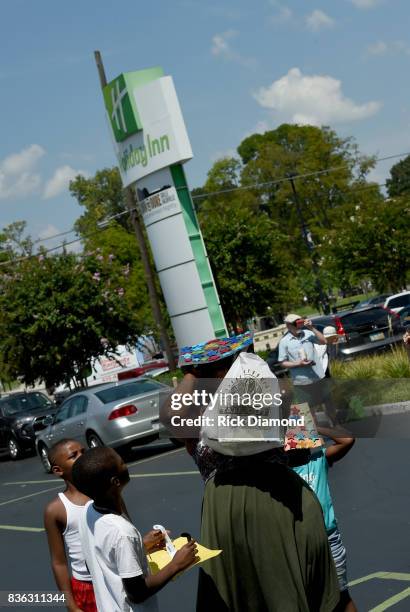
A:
[161,558]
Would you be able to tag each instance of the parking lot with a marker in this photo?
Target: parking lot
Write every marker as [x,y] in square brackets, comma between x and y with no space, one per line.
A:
[371,495]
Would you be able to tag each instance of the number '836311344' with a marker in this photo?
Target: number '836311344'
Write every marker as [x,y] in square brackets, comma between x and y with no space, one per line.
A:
[36,598]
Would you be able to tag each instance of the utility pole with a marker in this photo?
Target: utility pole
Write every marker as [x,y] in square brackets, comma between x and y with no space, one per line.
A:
[131,203]
[309,245]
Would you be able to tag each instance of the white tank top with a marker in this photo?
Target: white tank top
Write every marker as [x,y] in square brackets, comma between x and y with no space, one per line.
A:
[72,539]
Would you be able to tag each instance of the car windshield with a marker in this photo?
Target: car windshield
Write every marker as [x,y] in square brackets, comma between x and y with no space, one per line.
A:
[114,394]
[24,403]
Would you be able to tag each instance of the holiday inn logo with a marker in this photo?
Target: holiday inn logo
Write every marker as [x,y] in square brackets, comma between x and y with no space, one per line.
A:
[140,156]
[123,117]
[146,123]
[120,103]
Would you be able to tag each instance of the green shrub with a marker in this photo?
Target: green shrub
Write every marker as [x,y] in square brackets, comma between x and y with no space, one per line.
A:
[396,364]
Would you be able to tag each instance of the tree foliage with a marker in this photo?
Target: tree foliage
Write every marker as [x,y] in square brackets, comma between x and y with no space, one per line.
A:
[101,197]
[246,254]
[255,191]
[370,242]
[60,312]
[399,182]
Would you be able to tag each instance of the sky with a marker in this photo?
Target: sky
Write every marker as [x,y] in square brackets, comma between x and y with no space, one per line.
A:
[239,66]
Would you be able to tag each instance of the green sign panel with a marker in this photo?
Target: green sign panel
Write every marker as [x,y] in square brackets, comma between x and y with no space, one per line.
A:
[120,103]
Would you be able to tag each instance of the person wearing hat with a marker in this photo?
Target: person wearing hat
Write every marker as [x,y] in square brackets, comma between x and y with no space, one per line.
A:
[297,353]
[268,523]
[327,352]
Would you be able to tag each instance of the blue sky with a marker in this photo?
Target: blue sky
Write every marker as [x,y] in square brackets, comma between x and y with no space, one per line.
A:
[238,66]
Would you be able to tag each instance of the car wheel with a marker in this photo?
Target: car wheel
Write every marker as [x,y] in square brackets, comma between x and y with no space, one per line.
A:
[15,451]
[93,440]
[43,452]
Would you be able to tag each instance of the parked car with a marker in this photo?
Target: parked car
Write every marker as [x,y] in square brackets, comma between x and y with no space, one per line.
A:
[373,329]
[376,300]
[398,301]
[18,412]
[118,414]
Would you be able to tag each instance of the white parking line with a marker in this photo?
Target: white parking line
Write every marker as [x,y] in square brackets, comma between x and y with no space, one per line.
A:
[19,528]
[392,601]
[160,474]
[135,463]
[16,499]
[23,483]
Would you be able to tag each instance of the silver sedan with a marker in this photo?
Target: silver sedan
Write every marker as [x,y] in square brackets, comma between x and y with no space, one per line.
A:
[121,415]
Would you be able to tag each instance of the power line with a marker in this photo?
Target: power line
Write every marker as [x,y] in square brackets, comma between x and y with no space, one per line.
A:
[277,181]
[285,179]
[101,223]
[104,222]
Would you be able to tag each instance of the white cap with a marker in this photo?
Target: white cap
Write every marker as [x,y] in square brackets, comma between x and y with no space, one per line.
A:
[329,331]
[292,318]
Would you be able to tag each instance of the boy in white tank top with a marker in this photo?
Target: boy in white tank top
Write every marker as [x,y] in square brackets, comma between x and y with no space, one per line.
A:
[61,521]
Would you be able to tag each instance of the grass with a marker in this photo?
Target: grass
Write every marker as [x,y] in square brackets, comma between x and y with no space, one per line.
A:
[305,311]
[166,377]
[374,379]
[394,364]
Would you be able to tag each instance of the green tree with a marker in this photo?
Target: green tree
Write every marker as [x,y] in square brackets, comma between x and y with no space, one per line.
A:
[370,241]
[247,251]
[58,313]
[14,241]
[399,182]
[302,151]
[329,175]
[101,198]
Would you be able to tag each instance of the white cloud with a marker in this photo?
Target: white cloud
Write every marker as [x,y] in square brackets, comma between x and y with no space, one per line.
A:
[17,175]
[221,47]
[378,48]
[223,155]
[60,180]
[315,100]
[318,20]
[49,237]
[396,47]
[260,128]
[48,231]
[283,14]
[365,4]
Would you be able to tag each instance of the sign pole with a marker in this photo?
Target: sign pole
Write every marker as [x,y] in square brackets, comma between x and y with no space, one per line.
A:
[131,203]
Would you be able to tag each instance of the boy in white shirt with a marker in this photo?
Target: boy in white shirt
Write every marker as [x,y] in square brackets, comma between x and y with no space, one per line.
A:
[112,545]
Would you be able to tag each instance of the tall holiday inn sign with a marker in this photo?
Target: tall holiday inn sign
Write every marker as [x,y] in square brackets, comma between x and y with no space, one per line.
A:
[146,123]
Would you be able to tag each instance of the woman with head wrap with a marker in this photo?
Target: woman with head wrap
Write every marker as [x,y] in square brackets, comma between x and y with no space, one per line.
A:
[266,520]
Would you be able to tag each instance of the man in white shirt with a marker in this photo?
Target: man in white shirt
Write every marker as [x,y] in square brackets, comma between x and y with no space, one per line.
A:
[297,353]
[113,547]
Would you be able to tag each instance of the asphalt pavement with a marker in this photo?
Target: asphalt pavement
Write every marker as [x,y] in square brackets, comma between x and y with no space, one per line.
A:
[371,494]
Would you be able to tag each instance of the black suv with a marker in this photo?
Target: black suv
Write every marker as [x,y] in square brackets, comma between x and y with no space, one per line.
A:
[365,331]
[18,411]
